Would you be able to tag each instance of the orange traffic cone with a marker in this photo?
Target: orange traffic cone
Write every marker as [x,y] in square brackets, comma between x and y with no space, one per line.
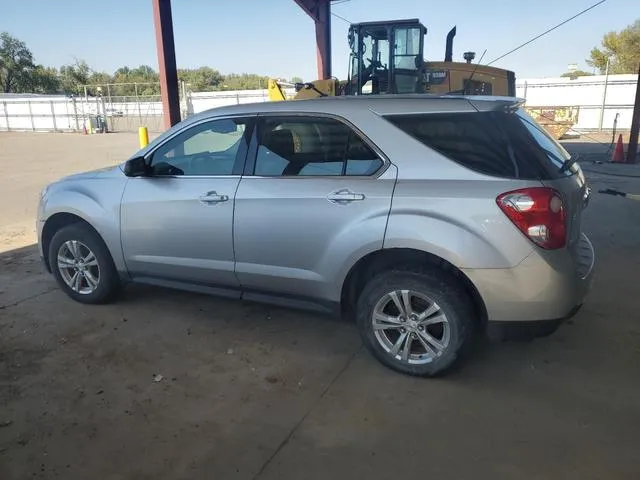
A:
[618,153]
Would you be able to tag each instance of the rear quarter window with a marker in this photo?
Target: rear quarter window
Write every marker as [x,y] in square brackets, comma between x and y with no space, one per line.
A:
[507,144]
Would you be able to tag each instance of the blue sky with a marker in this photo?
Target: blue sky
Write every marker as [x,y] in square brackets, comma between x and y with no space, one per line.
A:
[275,37]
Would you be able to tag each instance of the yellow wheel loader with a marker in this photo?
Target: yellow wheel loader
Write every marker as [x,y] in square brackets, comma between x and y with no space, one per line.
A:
[387,57]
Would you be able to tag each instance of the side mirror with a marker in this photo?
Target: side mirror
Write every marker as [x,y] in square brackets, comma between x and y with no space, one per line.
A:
[136,167]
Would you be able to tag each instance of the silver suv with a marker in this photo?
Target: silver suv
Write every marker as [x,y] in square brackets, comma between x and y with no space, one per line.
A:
[423,217]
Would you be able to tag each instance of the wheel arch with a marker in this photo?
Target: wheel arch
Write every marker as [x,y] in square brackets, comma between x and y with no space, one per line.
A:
[56,222]
[410,259]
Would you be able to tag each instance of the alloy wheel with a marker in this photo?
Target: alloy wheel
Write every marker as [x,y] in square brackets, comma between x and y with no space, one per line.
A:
[78,267]
[410,327]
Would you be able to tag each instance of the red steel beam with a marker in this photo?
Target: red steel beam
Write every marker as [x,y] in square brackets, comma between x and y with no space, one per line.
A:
[320,12]
[167,62]
[323,39]
[308,6]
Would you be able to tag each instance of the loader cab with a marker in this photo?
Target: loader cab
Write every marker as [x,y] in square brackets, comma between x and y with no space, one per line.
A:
[386,57]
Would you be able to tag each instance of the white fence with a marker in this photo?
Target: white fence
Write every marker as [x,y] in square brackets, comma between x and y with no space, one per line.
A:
[19,112]
[600,102]
[590,94]
[39,112]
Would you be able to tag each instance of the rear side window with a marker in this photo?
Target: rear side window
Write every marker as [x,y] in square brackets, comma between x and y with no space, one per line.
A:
[312,146]
[507,144]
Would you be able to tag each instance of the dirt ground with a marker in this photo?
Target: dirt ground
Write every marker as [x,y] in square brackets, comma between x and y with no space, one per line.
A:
[166,384]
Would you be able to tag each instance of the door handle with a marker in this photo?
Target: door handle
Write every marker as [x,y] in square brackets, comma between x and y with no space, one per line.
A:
[344,196]
[213,197]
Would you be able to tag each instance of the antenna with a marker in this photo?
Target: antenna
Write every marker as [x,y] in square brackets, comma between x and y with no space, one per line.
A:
[464,89]
[474,70]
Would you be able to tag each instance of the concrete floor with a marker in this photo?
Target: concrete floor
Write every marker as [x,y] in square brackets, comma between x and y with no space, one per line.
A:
[254,392]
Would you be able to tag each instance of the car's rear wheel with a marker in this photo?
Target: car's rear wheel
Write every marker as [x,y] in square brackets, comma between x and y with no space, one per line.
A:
[415,323]
[82,265]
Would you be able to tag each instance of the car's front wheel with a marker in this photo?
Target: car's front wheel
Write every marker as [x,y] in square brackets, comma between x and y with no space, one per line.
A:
[82,265]
[415,323]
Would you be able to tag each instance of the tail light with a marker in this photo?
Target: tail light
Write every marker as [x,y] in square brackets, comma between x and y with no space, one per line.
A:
[539,213]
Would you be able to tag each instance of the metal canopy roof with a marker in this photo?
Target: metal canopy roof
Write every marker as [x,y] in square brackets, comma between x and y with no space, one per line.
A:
[318,10]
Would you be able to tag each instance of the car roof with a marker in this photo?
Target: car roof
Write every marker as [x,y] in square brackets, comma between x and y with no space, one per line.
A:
[382,104]
[347,105]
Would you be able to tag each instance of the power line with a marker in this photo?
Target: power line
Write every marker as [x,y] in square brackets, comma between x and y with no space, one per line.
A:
[341,18]
[548,31]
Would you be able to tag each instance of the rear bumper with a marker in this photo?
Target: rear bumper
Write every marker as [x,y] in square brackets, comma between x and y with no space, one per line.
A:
[548,286]
[499,331]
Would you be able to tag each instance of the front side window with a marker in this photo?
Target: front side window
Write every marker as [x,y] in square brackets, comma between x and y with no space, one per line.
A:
[210,148]
[407,60]
[306,146]
[375,55]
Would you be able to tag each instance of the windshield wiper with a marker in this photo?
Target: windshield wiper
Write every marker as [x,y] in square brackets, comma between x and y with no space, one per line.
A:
[568,163]
[565,164]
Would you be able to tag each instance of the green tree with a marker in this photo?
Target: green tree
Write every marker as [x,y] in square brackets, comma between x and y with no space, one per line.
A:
[623,49]
[122,72]
[16,64]
[144,72]
[43,80]
[244,81]
[73,77]
[201,79]
[296,80]
[99,78]
[148,79]
[143,79]
[576,73]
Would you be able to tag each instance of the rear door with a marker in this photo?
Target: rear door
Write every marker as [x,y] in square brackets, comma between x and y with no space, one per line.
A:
[314,196]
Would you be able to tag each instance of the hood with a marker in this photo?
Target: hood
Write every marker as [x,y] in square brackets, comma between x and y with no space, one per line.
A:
[105,172]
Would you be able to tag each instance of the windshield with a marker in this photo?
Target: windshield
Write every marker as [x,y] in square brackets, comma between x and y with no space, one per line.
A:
[556,152]
[374,76]
[407,48]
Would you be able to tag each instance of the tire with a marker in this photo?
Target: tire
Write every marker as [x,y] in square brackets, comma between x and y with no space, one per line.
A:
[449,320]
[98,266]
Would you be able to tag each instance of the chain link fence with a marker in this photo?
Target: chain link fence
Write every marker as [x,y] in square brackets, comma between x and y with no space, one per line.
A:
[127,113]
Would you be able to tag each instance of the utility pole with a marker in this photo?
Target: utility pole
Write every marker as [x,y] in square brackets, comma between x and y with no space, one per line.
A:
[604,95]
[632,149]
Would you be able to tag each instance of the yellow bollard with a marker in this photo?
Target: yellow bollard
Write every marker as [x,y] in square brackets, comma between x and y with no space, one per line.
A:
[143,136]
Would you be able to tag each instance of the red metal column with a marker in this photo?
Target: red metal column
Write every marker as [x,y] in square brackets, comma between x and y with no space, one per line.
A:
[323,39]
[632,148]
[167,62]
[320,12]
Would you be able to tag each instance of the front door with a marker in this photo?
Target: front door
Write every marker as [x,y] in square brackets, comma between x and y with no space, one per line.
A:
[315,196]
[177,222]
